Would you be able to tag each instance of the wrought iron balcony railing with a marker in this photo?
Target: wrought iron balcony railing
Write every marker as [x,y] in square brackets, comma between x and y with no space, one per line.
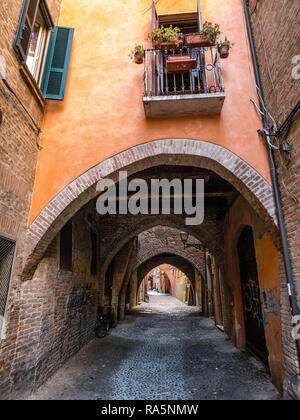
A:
[194,86]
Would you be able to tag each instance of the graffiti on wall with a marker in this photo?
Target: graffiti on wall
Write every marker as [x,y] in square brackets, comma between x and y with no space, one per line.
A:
[79,297]
[271,304]
[251,298]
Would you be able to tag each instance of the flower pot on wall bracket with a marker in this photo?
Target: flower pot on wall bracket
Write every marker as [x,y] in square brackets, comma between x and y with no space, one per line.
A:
[223,51]
[139,57]
[181,63]
[197,40]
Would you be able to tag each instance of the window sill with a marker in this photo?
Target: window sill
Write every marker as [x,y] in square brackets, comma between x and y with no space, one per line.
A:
[32,84]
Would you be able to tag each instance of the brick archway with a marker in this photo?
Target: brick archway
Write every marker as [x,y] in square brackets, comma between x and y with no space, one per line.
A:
[180,254]
[166,240]
[209,232]
[196,153]
[175,260]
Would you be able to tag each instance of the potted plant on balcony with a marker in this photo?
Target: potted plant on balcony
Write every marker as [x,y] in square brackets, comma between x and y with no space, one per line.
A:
[205,38]
[137,55]
[181,63]
[167,38]
[224,47]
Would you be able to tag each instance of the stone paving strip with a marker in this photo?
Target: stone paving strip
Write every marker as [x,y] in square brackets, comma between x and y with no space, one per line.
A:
[163,351]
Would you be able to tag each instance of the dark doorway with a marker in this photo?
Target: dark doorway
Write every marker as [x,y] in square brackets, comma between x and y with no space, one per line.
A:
[254,326]
[109,283]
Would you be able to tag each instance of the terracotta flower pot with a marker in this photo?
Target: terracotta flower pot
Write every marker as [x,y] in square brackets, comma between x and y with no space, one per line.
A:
[197,40]
[138,57]
[175,44]
[180,63]
[223,51]
[214,89]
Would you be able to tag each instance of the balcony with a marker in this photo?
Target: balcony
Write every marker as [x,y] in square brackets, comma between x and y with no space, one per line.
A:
[198,90]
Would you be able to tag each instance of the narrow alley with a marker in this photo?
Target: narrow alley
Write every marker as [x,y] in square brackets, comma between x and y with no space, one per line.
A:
[149,200]
[163,351]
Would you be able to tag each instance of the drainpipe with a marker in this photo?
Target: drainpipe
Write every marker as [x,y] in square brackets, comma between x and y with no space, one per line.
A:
[285,247]
[199,16]
[200,27]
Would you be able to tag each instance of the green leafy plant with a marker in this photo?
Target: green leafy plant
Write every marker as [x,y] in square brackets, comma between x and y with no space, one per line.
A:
[163,34]
[226,43]
[211,31]
[137,54]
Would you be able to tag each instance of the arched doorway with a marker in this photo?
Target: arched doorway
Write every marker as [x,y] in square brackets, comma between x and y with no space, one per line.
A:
[253,317]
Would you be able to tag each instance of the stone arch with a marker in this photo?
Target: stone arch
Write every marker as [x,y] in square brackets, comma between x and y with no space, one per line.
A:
[168,250]
[172,259]
[209,232]
[166,240]
[173,151]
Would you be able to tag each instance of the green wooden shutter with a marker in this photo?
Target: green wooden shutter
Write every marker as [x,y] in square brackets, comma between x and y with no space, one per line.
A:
[57,63]
[26,23]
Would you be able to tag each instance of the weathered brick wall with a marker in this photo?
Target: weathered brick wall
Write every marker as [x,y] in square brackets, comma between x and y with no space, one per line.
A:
[22,115]
[276,22]
[57,314]
[19,130]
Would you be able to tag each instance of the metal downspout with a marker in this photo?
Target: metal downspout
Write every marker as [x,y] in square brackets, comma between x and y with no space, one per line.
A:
[285,247]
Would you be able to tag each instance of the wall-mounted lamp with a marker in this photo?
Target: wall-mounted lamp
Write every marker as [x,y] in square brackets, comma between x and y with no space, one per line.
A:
[185,237]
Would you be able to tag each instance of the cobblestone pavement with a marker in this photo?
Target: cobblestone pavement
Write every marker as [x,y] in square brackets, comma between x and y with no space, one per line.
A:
[164,351]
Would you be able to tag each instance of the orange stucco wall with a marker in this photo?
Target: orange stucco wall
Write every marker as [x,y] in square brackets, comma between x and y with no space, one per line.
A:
[240,215]
[102,113]
[179,282]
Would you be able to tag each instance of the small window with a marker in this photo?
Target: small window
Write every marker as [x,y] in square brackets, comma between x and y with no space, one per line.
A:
[37,47]
[66,246]
[186,22]
[94,254]
[7,250]
[44,48]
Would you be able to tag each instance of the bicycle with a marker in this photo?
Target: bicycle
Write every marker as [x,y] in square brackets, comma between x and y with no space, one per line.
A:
[104,321]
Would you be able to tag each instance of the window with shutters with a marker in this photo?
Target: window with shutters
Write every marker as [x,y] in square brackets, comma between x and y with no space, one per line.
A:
[37,46]
[66,246]
[7,250]
[57,63]
[45,49]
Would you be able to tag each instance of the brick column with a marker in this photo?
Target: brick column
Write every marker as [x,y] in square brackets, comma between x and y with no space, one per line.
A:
[133,290]
[120,267]
[122,295]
